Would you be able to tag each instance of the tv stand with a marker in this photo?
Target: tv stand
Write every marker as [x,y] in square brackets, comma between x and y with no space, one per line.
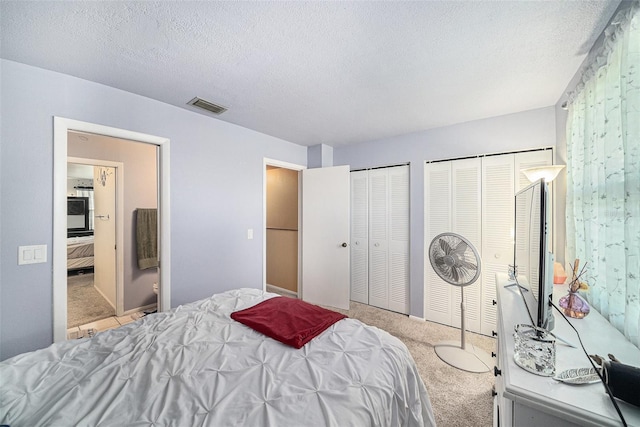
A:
[524,399]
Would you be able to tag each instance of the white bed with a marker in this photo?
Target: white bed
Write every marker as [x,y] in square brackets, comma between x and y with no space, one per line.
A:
[196,366]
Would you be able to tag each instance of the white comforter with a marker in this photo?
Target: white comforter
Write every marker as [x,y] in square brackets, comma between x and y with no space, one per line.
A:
[195,366]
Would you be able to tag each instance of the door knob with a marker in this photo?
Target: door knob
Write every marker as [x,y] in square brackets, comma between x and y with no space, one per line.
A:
[344,245]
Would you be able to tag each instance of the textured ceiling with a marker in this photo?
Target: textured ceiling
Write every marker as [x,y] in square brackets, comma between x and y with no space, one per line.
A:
[318,72]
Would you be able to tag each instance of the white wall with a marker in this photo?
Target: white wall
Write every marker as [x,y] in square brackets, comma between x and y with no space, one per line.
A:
[216,186]
[513,132]
[216,192]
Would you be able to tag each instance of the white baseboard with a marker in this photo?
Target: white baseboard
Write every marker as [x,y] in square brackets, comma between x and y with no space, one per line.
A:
[416,318]
[281,291]
[105,297]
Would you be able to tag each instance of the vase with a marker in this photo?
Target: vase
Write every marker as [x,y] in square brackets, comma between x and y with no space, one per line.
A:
[573,305]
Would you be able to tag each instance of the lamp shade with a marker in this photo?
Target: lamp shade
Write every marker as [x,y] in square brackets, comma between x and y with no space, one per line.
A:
[548,173]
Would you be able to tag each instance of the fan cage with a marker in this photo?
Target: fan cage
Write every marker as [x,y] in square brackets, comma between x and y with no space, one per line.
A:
[454,259]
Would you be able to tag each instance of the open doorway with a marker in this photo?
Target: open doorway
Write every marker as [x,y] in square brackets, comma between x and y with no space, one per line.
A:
[282,227]
[118,198]
[94,247]
[160,146]
[323,236]
[282,230]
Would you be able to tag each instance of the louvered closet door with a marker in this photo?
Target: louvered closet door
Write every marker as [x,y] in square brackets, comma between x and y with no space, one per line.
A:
[378,238]
[475,198]
[466,221]
[437,219]
[359,236]
[398,202]
[531,160]
[497,230]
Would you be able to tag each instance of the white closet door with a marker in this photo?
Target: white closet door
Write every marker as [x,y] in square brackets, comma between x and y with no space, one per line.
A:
[437,218]
[467,221]
[532,160]
[474,198]
[398,203]
[497,230]
[378,238]
[360,236]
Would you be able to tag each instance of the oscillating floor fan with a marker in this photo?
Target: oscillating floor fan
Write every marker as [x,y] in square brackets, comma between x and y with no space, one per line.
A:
[456,261]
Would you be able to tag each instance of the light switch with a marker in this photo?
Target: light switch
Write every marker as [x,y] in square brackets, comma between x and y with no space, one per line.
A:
[250,234]
[32,254]
[27,255]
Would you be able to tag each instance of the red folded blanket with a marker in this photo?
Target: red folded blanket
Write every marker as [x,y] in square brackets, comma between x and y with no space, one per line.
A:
[290,321]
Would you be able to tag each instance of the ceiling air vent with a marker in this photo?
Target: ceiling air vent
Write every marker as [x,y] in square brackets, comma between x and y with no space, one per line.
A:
[206,105]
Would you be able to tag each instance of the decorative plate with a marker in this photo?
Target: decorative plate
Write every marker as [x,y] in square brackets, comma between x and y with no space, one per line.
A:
[578,376]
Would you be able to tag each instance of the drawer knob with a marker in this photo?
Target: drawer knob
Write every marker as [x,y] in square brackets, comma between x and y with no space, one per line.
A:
[493,393]
[496,371]
[494,302]
[494,334]
[493,354]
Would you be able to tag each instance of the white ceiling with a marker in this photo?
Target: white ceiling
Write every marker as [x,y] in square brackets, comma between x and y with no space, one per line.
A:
[318,72]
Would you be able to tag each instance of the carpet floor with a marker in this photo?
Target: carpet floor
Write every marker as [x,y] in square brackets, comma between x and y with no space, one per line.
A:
[84,302]
[459,398]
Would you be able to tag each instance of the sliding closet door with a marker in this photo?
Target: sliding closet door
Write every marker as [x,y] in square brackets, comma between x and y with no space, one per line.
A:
[452,204]
[360,236]
[475,198]
[437,219]
[398,224]
[466,221]
[380,238]
[502,178]
[532,160]
[497,230]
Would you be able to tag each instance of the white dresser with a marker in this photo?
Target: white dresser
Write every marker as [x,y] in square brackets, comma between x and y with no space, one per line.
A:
[524,399]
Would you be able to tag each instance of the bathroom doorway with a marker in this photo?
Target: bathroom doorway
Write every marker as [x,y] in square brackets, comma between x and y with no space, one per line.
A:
[134,297]
[94,275]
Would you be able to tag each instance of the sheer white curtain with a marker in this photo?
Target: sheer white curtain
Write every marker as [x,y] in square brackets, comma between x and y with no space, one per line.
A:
[603,175]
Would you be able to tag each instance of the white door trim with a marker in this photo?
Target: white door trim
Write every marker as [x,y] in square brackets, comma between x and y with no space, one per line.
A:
[285,165]
[119,166]
[61,126]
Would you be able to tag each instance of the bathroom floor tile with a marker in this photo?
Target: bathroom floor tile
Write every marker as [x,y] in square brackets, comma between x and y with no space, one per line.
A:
[102,325]
[123,320]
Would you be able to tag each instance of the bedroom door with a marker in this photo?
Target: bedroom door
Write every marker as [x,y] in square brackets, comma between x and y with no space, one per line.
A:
[325,236]
[105,269]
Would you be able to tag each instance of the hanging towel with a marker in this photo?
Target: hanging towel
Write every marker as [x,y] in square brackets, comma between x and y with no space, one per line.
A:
[147,238]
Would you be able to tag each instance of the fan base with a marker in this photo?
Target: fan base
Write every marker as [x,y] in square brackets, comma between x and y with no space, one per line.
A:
[470,359]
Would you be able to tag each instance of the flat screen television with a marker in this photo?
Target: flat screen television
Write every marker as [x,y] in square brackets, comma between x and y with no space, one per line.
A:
[77,216]
[532,258]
